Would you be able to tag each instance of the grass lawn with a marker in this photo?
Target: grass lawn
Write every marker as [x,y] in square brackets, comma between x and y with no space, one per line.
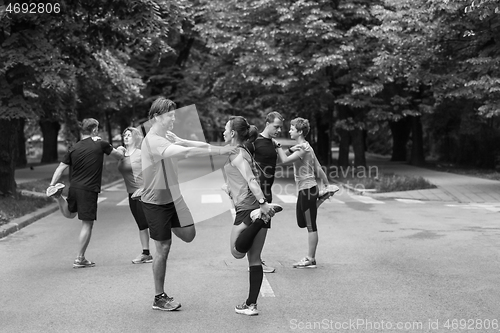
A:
[11,208]
[371,179]
[466,171]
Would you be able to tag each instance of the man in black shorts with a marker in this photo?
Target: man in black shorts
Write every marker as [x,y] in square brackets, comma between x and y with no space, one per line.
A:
[162,201]
[85,160]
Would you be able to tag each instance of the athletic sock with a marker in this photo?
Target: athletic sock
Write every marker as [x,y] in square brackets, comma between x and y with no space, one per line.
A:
[245,239]
[160,295]
[256,276]
[145,252]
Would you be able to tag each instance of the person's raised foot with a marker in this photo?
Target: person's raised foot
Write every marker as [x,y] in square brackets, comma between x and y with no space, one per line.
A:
[55,191]
[326,193]
[256,213]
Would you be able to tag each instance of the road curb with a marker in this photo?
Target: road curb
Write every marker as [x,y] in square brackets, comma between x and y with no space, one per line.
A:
[24,221]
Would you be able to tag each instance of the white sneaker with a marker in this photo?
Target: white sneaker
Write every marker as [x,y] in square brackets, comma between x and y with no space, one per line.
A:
[55,190]
[329,190]
[256,213]
[249,310]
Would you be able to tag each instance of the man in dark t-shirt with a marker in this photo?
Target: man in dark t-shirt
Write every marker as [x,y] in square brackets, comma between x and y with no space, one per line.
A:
[264,152]
[85,160]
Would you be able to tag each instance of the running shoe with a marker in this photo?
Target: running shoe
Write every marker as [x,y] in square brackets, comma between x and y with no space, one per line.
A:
[326,193]
[305,263]
[265,268]
[55,190]
[248,310]
[143,258]
[256,213]
[81,262]
[165,303]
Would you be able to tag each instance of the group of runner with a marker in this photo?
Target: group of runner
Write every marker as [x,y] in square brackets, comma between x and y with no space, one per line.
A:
[148,163]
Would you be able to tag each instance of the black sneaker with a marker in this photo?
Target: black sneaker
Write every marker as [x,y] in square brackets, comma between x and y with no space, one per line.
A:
[165,303]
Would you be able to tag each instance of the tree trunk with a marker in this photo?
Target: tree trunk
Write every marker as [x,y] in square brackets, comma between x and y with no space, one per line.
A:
[345,143]
[50,130]
[22,161]
[323,144]
[400,131]
[108,126]
[417,148]
[8,155]
[358,145]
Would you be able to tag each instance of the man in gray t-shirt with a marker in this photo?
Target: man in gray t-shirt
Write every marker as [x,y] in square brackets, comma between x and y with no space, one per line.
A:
[162,201]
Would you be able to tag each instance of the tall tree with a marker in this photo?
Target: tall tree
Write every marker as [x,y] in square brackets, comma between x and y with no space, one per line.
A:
[50,51]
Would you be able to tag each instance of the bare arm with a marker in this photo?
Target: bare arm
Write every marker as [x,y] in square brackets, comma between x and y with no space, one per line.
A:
[118,153]
[289,159]
[176,151]
[320,173]
[58,173]
[186,143]
[246,171]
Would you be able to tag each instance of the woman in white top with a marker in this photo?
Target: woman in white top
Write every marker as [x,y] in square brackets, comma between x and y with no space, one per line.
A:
[131,170]
[306,167]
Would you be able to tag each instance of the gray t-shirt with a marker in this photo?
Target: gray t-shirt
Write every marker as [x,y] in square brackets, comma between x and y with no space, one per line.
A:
[161,183]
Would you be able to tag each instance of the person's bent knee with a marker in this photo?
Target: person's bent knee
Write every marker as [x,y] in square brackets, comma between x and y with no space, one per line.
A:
[236,254]
[186,234]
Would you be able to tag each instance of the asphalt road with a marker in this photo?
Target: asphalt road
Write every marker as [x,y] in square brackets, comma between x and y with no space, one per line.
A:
[383,266]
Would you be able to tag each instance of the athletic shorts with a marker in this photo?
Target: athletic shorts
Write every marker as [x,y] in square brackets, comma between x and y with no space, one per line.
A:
[243,216]
[306,209]
[162,218]
[137,212]
[84,202]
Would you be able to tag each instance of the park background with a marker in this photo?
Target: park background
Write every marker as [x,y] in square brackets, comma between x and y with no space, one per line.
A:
[417,80]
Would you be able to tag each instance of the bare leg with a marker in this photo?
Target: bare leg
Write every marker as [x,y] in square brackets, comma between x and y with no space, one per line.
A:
[235,232]
[160,265]
[144,236]
[85,235]
[63,207]
[313,244]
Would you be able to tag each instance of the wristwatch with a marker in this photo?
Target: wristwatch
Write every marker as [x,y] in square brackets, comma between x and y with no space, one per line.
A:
[262,201]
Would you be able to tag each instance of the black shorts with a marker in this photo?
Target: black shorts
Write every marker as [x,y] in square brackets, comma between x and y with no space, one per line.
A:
[84,202]
[162,218]
[137,212]
[243,216]
[306,209]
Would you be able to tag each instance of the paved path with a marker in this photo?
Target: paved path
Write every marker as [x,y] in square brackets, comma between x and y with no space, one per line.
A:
[450,187]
